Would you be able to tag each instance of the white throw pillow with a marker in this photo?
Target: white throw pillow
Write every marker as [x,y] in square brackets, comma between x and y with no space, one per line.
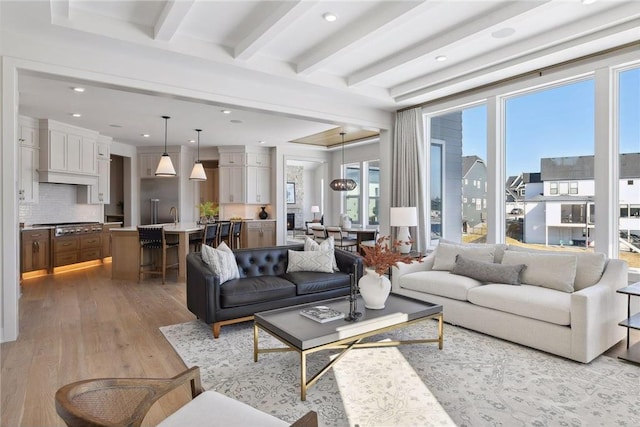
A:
[499,248]
[222,261]
[589,268]
[446,253]
[549,270]
[319,261]
[327,245]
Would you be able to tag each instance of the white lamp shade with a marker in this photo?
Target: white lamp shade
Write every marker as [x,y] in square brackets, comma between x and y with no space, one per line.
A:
[315,209]
[165,167]
[197,173]
[400,217]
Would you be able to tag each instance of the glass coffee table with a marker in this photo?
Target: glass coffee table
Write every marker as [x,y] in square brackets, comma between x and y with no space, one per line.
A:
[308,336]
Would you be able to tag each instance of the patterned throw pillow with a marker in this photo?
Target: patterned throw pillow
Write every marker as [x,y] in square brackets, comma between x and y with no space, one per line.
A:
[488,272]
[222,261]
[327,245]
[319,261]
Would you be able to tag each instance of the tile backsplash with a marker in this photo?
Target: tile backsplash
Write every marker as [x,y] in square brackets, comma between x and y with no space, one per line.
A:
[58,203]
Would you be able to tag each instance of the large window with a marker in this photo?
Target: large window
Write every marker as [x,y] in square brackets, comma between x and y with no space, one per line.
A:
[629,143]
[549,146]
[366,196]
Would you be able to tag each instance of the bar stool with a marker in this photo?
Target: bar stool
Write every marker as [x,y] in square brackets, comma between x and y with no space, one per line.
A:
[236,230]
[319,233]
[224,233]
[210,235]
[153,238]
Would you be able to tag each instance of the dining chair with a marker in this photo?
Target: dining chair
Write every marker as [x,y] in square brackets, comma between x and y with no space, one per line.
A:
[210,235]
[152,239]
[319,233]
[224,233]
[341,239]
[236,231]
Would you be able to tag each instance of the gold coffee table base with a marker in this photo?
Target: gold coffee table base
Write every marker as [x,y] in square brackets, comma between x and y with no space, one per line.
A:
[346,344]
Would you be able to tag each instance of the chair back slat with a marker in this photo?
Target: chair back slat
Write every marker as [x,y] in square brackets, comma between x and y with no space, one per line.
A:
[151,236]
[210,234]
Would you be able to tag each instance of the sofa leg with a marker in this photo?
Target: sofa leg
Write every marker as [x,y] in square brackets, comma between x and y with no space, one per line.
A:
[216,329]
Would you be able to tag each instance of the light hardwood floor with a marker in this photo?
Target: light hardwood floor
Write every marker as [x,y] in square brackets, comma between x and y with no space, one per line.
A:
[80,325]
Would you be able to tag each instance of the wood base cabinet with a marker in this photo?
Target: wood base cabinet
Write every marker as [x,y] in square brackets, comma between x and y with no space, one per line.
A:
[35,250]
[258,234]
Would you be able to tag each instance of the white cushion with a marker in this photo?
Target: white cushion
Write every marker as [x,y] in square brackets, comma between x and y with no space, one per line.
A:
[498,248]
[440,283]
[327,244]
[529,301]
[446,253]
[550,270]
[589,268]
[222,261]
[319,261]
[211,409]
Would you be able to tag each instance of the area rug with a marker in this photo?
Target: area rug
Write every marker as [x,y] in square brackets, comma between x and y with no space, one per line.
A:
[478,380]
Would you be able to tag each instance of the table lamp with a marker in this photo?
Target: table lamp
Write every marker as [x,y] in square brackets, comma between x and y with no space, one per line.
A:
[315,210]
[404,218]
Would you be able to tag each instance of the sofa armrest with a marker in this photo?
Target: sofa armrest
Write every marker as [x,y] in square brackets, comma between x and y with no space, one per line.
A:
[346,261]
[400,269]
[596,311]
[202,288]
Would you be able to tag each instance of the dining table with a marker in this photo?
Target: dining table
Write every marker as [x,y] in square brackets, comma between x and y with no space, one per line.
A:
[362,234]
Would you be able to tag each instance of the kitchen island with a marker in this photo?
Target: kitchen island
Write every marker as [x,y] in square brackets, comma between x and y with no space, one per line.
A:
[125,249]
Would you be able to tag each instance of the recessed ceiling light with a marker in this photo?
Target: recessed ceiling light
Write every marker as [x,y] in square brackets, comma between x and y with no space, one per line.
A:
[329,17]
[76,115]
[192,141]
[441,58]
[588,1]
[225,111]
[236,121]
[503,32]
[262,142]
[145,135]
[78,89]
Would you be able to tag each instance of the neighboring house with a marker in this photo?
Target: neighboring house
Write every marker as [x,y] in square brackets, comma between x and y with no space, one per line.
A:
[564,211]
[474,191]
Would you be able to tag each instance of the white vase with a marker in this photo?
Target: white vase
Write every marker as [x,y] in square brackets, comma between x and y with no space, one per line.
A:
[374,289]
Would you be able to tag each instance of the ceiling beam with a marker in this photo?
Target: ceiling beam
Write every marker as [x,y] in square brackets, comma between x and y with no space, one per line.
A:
[620,19]
[423,48]
[170,19]
[390,15]
[273,25]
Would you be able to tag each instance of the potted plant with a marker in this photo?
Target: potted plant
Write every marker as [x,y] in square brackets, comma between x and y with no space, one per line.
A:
[208,212]
[378,259]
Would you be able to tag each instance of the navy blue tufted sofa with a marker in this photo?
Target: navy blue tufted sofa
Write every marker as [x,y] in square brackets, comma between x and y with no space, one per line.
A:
[264,284]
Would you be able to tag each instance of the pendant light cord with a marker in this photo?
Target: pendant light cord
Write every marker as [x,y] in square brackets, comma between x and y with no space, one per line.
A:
[342,168]
[165,133]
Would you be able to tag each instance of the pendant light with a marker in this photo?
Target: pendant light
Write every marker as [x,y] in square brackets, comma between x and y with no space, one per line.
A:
[165,166]
[197,173]
[342,184]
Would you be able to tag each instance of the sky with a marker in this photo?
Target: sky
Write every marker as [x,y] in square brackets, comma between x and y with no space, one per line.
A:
[556,122]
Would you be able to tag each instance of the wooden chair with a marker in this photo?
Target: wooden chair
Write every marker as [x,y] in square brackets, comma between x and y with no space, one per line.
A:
[110,402]
[341,239]
[319,233]
[210,235]
[117,401]
[152,238]
[236,231]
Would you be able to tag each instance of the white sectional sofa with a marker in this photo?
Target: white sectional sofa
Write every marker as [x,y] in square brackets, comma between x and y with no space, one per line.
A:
[563,303]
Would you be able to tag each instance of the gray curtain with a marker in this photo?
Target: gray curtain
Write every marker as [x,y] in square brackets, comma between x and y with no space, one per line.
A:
[409,171]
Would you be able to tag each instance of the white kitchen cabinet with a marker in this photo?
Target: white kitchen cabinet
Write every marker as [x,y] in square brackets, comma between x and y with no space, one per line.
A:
[149,163]
[99,193]
[28,160]
[232,184]
[258,185]
[67,153]
[232,159]
[259,159]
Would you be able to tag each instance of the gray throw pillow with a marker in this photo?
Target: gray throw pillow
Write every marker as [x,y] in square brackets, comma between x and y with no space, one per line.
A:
[488,271]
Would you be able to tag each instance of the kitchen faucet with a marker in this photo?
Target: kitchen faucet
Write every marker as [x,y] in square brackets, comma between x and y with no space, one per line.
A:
[174,212]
